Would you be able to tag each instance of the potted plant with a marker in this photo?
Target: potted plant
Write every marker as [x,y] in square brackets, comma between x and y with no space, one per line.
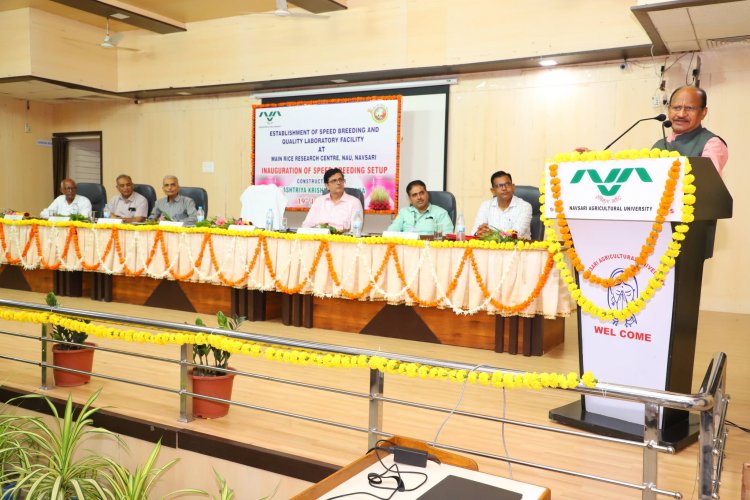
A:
[14,450]
[77,357]
[136,485]
[209,381]
[58,470]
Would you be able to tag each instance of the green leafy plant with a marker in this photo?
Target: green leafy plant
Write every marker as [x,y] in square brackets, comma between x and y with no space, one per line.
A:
[500,236]
[330,228]
[57,470]
[64,334]
[14,447]
[136,485]
[225,492]
[79,217]
[203,353]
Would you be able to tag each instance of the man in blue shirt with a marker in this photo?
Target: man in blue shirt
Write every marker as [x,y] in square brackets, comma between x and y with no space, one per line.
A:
[421,216]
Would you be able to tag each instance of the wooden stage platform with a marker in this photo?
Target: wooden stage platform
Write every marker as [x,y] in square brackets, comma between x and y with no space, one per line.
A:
[259,437]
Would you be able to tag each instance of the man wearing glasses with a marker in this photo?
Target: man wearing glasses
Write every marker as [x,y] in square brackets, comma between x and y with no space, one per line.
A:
[687,109]
[335,208]
[504,211]
[69,202]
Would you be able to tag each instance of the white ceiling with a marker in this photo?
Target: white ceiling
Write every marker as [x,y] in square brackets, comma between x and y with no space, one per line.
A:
[690,25]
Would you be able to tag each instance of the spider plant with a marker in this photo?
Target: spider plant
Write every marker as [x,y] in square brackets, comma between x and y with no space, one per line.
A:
[136,485]
[56,472]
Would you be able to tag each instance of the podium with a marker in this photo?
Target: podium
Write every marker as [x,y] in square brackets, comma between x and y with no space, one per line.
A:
[611,207]
[448,476]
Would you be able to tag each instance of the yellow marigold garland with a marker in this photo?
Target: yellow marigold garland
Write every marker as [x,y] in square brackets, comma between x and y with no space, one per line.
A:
[528,380]
[667,260]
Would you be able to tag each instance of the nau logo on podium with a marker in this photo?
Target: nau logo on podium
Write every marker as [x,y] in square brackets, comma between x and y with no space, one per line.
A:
[615,178]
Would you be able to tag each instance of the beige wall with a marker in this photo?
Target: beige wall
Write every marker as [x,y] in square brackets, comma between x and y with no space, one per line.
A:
[510,119]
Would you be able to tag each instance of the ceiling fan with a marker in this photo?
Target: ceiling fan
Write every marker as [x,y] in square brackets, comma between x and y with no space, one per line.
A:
[282,10]
[112,39]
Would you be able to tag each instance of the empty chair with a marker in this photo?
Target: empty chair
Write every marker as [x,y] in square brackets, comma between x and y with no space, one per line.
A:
[148,192]
[96,193]
[199,196]
[446,200]
[258,199]
[531,195]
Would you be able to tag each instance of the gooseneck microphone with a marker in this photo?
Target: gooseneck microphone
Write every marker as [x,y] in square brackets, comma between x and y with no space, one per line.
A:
[659,118]
[665,126]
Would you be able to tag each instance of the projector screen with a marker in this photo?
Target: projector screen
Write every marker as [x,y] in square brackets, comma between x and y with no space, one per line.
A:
[424,126]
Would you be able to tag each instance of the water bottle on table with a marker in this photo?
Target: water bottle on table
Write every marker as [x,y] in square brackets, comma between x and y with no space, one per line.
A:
[357,224]
[200,215]
[105,211]
[460,227]
[269,220]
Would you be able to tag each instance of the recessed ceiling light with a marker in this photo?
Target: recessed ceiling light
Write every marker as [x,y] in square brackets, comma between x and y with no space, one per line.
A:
[120,16]
[547,62]
[340,80]
[184,93]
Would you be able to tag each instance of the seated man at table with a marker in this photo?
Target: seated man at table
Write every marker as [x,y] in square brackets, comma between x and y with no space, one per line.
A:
[69,202]
[504,211]
[174,207]
[335,208]
[421,216]
[128,205]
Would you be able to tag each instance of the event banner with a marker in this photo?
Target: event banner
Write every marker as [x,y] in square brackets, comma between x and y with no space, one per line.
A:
[295,143]
[615,190]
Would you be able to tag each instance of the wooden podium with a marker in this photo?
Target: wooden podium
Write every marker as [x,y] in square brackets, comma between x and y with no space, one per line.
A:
[654,348]
[354,476]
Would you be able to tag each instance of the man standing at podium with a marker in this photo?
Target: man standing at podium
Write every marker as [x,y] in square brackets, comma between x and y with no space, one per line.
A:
[687,109]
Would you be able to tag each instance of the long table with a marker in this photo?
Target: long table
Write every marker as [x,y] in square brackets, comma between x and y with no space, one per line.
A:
[469,279]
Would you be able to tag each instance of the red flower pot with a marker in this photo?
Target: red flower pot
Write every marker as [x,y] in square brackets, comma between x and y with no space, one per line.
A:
[216,387]
[76,359]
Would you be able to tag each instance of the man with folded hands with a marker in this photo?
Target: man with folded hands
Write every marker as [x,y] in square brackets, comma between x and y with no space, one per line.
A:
[174,206]
[504,212]
[69,202]
[128,205]
[421,216]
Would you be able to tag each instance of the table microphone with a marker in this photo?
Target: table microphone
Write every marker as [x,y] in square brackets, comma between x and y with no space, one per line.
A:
[661,117]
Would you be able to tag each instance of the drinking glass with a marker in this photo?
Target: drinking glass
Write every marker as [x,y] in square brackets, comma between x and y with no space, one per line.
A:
[437,234]
[94,216]
[284,224]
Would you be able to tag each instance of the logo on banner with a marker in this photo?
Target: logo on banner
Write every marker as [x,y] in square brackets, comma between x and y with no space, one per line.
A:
[618,296]
[614,180]
[269,115]
[379,113]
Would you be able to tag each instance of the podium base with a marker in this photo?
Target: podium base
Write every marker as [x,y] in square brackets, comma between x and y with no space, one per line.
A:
[678,435]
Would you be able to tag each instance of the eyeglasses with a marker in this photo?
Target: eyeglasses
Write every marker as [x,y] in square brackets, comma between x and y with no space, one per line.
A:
[336,181]
[687,109]
[504,185]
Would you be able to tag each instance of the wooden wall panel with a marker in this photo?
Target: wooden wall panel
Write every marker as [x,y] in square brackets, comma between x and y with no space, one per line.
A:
[15,43]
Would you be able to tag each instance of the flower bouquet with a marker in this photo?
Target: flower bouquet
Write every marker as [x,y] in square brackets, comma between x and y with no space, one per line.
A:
[222,222]
[500,236]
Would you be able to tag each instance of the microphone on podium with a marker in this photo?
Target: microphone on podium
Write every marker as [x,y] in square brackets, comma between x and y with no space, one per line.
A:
[661,117]
[665,126]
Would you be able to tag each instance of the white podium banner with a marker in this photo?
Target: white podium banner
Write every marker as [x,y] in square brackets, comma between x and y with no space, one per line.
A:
[615,190]
[631,352]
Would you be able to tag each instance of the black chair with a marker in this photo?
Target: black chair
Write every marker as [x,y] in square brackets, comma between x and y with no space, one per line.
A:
[148,192]
[531,195]
[96,193]
[199,196]
[446,200]
[357,193]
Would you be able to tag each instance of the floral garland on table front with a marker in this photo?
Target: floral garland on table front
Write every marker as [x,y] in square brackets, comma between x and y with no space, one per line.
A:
[304,357]
[667,261]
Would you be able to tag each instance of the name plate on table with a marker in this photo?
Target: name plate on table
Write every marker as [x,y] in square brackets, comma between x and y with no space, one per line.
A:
[399,234]
[171,223]
[13,216]
[59,218]
[241,227]
[313,230]
[109,221]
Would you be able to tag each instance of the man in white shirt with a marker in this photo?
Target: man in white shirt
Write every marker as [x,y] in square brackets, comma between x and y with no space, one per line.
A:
[69,202]
[128,205]
[504,211]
